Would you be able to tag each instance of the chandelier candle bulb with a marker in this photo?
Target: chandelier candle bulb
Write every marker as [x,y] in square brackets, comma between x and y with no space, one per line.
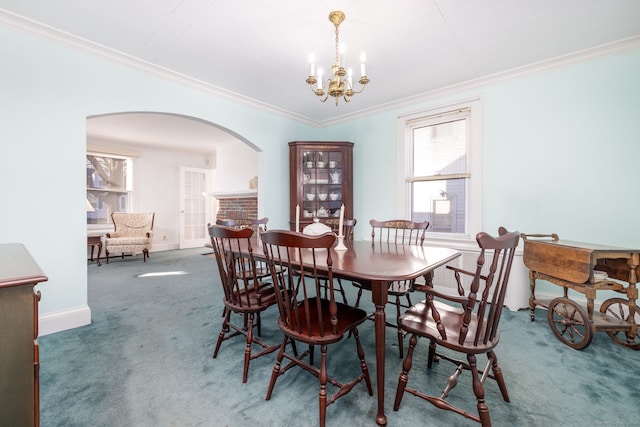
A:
[363,58]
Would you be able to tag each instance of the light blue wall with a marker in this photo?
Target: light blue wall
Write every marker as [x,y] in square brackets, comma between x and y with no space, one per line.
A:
[560,150]
[46,93]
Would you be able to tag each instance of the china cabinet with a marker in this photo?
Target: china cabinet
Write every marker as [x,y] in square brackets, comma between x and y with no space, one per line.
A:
[321,180]
[19,359]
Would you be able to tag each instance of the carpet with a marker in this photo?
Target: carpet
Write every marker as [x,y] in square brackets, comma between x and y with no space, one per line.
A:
[146,361]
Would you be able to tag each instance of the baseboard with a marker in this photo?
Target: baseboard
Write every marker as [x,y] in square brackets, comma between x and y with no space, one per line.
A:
[63,320]
[159,247]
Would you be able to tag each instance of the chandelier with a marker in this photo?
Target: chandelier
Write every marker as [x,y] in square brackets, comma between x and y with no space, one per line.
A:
[339,85]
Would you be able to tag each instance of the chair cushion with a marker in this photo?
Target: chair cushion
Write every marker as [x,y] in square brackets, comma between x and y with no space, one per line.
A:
[127,241]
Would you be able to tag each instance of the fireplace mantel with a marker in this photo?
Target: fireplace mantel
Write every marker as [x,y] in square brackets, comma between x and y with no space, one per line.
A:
[239,194]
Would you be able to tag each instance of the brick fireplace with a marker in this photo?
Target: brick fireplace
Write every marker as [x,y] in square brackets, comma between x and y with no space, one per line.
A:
[237,205]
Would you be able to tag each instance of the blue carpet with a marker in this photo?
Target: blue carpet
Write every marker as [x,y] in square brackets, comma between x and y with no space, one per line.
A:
[146,361]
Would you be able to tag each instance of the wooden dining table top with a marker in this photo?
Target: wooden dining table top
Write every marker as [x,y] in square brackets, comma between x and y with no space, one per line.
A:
[368,261]
[377,264]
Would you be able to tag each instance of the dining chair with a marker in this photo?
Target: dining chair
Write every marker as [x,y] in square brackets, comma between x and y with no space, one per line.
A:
[348,226]
[465,323]
[398,232]
[258,226]
[306,316]
[247,298]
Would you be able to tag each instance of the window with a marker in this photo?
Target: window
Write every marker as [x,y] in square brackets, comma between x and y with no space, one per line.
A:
[442,172]
[108,186]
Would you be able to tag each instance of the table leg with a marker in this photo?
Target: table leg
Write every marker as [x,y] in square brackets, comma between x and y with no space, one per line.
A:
[379,296]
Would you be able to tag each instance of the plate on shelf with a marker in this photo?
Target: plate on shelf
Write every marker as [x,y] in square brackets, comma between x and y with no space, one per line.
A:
[319,181]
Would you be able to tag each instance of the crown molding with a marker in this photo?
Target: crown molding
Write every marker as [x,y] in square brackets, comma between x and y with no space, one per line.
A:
[49,33]
[609,49]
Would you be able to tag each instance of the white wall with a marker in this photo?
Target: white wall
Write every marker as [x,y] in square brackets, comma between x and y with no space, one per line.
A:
[236,165]
[560,152]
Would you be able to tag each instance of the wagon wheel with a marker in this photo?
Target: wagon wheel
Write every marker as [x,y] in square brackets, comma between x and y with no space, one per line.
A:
[570,323]
[619,309]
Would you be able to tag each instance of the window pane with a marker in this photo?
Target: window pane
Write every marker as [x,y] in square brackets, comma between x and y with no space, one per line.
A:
[442,203]
[107,173]
[108,185]
[440,148]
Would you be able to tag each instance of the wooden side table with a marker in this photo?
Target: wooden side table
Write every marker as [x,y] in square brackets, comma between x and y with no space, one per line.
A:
[95,240]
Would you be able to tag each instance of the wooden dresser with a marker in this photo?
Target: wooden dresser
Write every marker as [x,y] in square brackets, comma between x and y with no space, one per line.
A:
[19,361]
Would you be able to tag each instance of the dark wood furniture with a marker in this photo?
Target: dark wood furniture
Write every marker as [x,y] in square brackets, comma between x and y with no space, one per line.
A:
[307,317]
[348,226]
[400,232]
[245,293]
[19,354]
[92,241]
[378,265]
[465,323]
[318,170]
[254,224]
[585,268]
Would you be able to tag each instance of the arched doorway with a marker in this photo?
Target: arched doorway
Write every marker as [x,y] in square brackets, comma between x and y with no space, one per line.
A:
[165,147]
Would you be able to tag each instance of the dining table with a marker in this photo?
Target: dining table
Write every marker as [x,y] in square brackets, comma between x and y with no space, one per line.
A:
[376,265]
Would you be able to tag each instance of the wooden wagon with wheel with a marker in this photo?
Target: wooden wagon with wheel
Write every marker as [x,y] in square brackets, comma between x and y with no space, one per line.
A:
[585,268]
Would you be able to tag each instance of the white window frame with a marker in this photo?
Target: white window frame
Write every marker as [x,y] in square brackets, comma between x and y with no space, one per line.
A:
[405,125]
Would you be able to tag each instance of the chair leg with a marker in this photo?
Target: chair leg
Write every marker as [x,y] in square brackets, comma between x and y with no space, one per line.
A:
[400,331]
[322,396]
[357,305]
[363,362]
[497,373]
[247,349]
[223,332]
[404,375]
[341,289]
[276,367]
[432,354]
[478,390]
[106,253]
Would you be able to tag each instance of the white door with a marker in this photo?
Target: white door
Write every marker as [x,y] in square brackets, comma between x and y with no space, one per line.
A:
[194,207]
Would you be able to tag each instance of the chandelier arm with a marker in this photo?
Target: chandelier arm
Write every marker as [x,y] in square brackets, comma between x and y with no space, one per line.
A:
[359,91]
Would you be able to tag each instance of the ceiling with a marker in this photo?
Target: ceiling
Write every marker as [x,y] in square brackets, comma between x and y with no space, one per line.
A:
[259,49]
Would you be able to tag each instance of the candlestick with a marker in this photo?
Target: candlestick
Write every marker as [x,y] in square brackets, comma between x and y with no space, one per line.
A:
[340,246]
[297,218]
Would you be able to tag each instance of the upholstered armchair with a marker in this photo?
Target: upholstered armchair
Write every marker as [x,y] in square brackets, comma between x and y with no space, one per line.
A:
[132,234]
